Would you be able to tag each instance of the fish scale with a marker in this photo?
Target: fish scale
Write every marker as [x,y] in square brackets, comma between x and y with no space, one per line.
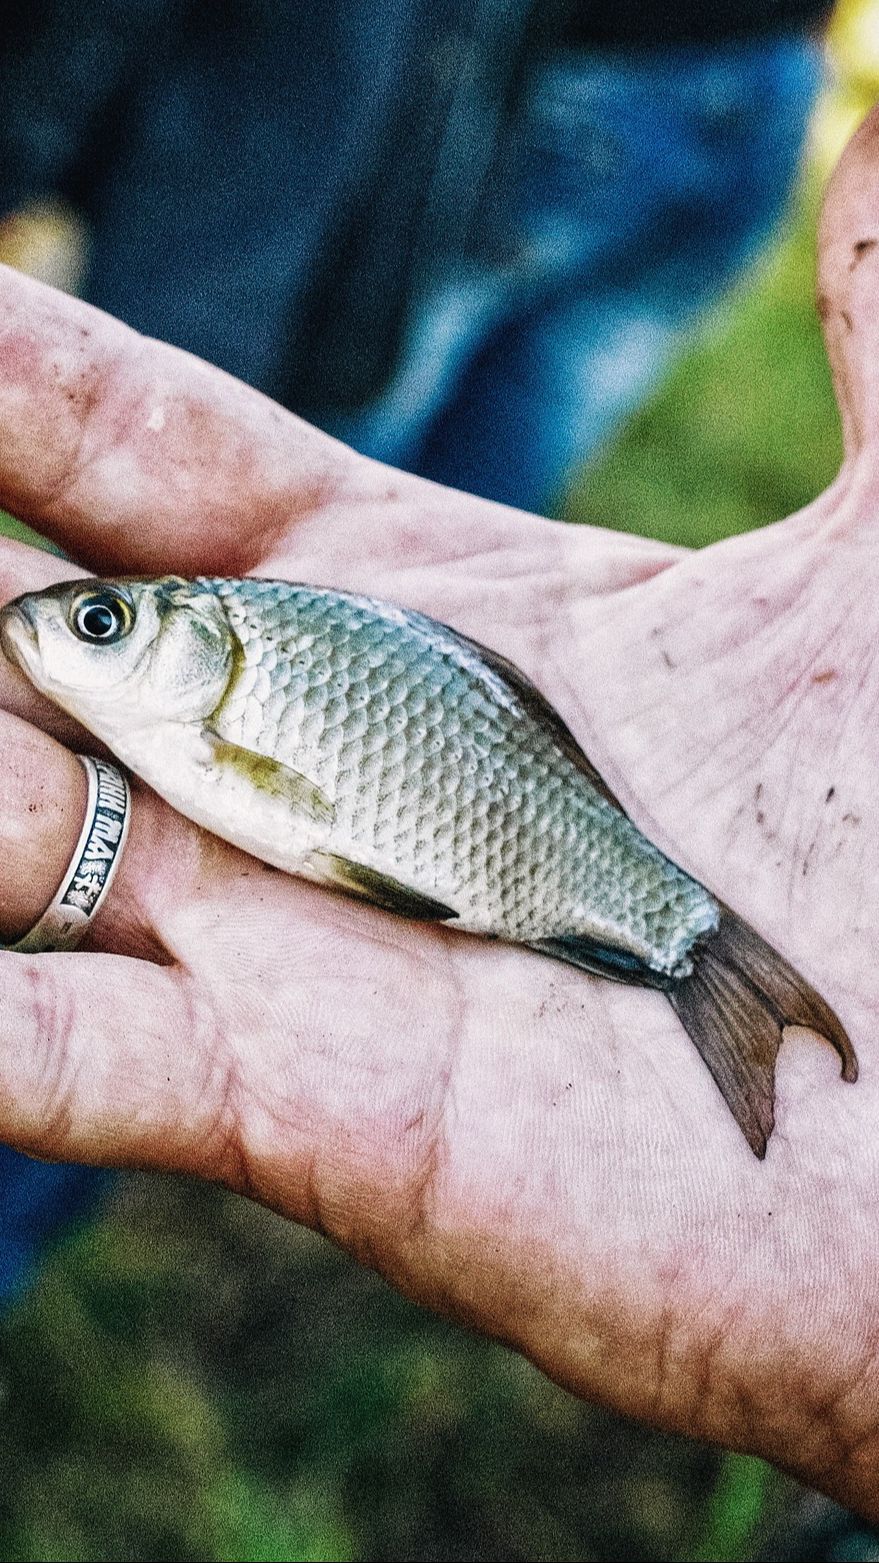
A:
[439,775]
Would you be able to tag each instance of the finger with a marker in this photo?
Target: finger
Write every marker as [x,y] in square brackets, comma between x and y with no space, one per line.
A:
[103,1057]
[127,451]
[42,805]
[42,808]
[104,1060]
[133,455]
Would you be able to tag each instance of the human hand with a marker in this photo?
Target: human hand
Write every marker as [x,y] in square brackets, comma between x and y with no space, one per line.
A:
[541,1154]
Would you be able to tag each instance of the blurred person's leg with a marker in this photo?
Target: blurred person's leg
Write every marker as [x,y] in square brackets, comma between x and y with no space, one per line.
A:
[648,181]
[443,337]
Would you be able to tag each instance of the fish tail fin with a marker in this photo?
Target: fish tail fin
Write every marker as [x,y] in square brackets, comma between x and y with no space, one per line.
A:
[735,1005]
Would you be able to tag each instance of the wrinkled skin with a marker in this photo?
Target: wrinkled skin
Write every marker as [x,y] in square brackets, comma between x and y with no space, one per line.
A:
[539,1153]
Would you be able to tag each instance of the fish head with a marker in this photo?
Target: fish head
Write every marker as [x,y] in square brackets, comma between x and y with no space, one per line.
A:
[123,653]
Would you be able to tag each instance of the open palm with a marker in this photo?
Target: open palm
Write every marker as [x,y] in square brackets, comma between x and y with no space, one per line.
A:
[537,1152]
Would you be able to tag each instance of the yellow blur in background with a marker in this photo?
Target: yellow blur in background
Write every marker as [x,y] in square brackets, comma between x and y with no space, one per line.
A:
[853,52]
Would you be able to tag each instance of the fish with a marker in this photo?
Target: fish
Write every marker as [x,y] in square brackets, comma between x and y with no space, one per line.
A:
[378,752]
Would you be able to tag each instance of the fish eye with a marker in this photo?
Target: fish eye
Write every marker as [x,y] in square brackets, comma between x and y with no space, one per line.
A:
[101,617]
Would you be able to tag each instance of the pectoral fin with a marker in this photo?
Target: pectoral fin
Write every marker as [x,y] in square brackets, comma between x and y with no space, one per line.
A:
[380,889]
[274,778]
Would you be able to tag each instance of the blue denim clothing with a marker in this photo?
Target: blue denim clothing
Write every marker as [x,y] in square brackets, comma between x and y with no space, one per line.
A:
[211,144]
[645,183]
[531,310]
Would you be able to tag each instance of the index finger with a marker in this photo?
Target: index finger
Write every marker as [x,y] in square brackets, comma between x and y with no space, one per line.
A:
[134,455]
[131,453]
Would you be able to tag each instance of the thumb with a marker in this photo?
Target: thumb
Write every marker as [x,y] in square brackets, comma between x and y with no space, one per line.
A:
[848,288]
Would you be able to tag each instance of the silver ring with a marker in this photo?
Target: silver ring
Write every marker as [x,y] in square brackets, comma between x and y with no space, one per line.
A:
[92,866]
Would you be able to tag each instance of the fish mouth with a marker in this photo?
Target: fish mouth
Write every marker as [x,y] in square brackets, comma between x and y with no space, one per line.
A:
[18,636]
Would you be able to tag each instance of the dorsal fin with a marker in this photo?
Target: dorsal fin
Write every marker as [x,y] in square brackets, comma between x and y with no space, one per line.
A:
[539,707]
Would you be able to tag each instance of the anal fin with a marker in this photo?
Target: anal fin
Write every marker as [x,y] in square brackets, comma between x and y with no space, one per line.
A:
[600,959]
[380,889]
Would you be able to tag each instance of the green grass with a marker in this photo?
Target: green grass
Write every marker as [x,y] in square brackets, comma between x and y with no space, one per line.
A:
[195,1379]
[734,1510]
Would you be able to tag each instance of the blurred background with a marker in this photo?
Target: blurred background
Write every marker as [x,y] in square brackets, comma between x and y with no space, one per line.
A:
[193,1378]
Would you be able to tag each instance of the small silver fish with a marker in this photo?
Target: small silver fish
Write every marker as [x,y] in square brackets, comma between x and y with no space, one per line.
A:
[375,750]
